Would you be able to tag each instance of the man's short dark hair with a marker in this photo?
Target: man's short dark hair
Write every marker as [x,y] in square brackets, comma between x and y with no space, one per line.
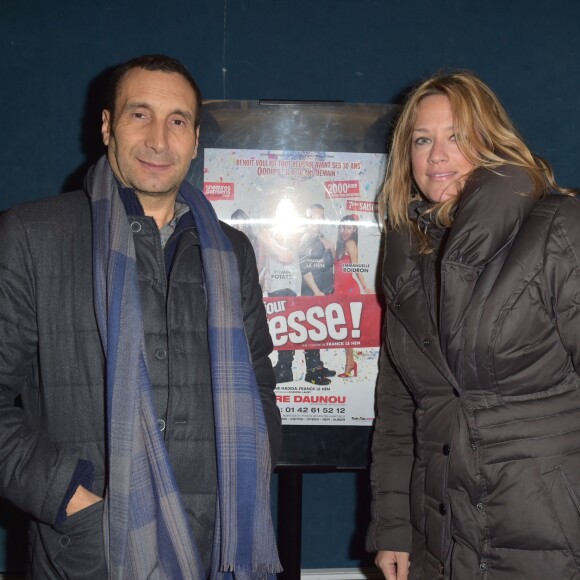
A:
[151,62]
[310,210]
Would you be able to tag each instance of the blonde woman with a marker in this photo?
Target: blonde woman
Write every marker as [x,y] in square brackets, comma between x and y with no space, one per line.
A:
[476,450]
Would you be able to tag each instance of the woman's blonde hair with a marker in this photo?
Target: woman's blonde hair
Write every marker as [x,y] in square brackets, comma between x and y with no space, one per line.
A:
[484,133]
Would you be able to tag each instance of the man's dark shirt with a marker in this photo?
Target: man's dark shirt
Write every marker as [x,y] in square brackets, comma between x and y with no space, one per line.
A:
[315,258]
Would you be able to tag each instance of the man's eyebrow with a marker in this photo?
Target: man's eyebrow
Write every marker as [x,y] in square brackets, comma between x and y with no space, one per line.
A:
[136,105]
[185,114]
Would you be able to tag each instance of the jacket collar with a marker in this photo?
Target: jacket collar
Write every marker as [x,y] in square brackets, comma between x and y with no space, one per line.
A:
[489,215]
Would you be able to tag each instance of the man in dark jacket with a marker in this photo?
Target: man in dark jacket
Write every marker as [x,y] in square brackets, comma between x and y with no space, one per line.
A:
[317,269]
[170,432]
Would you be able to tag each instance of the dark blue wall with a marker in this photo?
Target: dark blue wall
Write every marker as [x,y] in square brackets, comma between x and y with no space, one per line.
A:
[53,53]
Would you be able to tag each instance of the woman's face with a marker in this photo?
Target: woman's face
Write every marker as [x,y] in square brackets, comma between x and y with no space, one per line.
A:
[439,167]
[346,231]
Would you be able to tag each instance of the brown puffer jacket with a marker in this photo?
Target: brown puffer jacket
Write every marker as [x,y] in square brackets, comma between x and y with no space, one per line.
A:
[478,396]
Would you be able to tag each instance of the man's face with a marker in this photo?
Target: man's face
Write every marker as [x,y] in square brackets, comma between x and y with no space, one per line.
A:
[152,137]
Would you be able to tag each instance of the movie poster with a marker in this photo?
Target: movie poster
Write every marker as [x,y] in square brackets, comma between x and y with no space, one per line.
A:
[312,218]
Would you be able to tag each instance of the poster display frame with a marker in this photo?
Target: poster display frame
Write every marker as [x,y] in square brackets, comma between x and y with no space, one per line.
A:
[284,130]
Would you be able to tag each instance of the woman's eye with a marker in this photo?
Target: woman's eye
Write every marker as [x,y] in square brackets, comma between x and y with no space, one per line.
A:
[421,141]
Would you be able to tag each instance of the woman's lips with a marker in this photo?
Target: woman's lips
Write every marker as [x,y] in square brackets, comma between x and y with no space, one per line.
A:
[441,176]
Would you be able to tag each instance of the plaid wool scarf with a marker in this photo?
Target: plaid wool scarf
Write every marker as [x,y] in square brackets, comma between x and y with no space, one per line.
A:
[145,525]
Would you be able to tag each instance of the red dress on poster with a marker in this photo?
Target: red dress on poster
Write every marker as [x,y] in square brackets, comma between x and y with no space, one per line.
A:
[344,282]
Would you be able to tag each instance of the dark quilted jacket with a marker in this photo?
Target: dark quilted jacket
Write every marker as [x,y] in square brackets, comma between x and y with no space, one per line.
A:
[52,359]
[476,451]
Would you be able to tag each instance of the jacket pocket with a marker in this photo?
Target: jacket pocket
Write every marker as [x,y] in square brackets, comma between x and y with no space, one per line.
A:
[564,503]
[78,548]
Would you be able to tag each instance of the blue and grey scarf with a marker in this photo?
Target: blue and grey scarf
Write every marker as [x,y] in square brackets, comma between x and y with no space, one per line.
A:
[145,526]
